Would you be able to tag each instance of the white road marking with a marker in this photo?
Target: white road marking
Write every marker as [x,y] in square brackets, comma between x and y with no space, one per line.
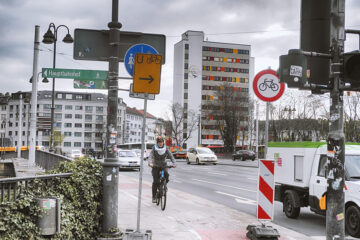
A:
[195,233]
[244,189]
[239,199]
[216,173]
[254,179]
[136,198]
[177,181]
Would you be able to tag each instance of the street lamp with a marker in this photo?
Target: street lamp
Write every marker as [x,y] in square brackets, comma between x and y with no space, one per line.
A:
[51,38]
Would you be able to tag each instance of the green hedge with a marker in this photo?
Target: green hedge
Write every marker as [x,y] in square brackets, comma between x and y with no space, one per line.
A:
[80,194]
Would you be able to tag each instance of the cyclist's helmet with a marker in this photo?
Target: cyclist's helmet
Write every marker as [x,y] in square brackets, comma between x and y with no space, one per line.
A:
[159,139]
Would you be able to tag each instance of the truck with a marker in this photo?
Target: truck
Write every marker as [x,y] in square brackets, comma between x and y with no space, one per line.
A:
[301,181]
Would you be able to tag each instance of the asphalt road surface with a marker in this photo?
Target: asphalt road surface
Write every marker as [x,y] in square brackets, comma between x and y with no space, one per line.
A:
[235,187]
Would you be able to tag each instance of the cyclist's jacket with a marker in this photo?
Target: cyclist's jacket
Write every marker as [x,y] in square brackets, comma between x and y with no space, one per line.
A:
[159,155]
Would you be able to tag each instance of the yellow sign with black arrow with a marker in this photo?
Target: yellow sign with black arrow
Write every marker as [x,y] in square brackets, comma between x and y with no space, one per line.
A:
[147,72]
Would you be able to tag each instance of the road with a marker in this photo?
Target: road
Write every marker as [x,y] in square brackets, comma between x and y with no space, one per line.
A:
[235,187]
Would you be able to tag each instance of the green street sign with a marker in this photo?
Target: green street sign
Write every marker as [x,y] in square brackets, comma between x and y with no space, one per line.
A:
[74,74]
[90,84]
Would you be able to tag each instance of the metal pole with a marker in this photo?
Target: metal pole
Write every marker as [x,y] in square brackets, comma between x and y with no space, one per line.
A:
[266,129]
[141,163]
[52,145]
[111,165]
[335,201]
[257,130]
[32,145]
[20,128]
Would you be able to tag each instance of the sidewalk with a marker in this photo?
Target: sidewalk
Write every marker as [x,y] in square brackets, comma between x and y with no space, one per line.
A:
[186,217]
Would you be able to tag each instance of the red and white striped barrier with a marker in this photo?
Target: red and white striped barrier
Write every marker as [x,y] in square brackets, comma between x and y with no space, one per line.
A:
[265,208]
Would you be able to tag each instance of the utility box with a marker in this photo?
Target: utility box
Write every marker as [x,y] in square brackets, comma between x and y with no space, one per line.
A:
[49,219]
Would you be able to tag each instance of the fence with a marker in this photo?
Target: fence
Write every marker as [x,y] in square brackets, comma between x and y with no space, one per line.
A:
[11,188]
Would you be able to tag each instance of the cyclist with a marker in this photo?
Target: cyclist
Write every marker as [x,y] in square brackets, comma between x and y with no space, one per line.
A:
[157,158]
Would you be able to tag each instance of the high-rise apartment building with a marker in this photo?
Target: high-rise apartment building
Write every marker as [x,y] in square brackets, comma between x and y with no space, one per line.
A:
[201,66]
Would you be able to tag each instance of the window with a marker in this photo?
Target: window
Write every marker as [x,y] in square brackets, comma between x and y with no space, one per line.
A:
[68,116]
[99,117]
[322,164]
[88,117]
[98,135]
[67,144]
[186,46]
[77,144]
[88,125]
[186,66]
[78,108]
[185,85]
[99,126]
[59,96]
[87,135]
[185,96]
[99,109]
[68,125]
[78,125]
[47,96]
[88,108]
[68,107]
[67,134]
[77,134]
[45,106]
[58,116]
[186,75]
[58,107]
[98,145]
[78,116]
[87,144]
[68,96]
[78,97]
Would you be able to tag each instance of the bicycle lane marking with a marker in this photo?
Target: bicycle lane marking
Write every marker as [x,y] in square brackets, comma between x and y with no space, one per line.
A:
[238,198]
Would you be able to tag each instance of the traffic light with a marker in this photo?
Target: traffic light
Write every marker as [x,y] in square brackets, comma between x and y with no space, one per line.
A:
[315,37]
[351,67]
[293,69]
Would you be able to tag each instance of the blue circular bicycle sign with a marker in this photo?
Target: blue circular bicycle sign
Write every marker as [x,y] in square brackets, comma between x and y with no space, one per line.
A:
[130,55]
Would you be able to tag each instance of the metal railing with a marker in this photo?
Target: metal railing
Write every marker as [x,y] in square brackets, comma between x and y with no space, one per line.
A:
[11,188]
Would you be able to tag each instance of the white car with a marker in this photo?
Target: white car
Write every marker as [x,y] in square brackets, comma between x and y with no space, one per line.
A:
[75,153]
[128,159]
[201,155]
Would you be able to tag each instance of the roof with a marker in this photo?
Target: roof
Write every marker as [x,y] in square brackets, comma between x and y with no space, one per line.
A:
[135,111]
[148,115]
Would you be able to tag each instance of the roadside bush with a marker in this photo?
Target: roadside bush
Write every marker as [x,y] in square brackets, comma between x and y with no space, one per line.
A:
[80,195]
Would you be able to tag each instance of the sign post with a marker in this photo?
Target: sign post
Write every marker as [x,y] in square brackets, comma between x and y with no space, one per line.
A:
[267,88]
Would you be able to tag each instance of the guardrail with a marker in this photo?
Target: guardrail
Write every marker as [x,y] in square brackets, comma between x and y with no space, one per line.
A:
[11,188]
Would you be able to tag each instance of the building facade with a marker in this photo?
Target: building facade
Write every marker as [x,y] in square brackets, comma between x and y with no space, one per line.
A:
[79,120]
[201,66]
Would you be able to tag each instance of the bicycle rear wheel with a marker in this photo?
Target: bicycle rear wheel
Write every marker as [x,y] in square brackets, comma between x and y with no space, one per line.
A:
[163,196]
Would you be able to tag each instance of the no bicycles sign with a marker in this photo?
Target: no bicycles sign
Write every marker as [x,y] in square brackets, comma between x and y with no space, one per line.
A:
[267,86]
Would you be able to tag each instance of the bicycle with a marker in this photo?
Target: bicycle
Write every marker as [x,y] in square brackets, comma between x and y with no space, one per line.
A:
[268,83]
[162,190]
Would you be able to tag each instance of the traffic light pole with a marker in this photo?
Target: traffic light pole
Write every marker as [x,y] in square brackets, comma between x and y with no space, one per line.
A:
[335,203]
[111,165]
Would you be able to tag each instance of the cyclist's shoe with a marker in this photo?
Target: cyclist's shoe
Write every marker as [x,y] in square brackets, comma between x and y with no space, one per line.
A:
[154,200]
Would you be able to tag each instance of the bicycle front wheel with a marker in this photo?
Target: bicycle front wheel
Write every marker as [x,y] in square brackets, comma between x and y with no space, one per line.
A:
[163,197]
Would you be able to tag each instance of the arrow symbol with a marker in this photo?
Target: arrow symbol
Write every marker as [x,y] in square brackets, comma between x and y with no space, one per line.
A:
[45,73]
[150,79]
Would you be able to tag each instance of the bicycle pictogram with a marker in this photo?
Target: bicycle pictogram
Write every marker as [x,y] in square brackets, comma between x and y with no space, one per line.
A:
[269,83]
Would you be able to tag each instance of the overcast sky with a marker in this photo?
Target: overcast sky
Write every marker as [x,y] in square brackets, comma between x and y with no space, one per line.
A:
[271,27]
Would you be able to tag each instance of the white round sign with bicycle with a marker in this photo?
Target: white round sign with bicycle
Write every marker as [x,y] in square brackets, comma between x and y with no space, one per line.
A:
[267,86]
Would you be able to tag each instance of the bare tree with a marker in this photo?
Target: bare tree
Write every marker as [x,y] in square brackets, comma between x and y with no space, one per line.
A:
[228,110]
[183,124]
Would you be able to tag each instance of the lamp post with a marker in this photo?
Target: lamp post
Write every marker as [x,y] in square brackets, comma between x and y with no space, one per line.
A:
[51,38]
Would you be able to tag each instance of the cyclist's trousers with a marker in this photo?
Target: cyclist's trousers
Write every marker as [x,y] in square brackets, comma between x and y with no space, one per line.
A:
[156,178]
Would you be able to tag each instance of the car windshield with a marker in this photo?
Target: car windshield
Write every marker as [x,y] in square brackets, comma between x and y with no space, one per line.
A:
[204,151]
[126,154]
[352,165]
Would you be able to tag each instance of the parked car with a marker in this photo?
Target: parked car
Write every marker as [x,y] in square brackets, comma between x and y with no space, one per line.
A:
[128,159]
[201,155]
[178,152]
[243,155]
[76,153]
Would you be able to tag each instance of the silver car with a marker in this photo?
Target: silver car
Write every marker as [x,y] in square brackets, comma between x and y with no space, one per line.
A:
[128,159]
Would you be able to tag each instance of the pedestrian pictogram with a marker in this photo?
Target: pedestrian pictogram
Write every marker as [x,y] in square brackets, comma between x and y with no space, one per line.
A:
[147,71]
[267,86]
